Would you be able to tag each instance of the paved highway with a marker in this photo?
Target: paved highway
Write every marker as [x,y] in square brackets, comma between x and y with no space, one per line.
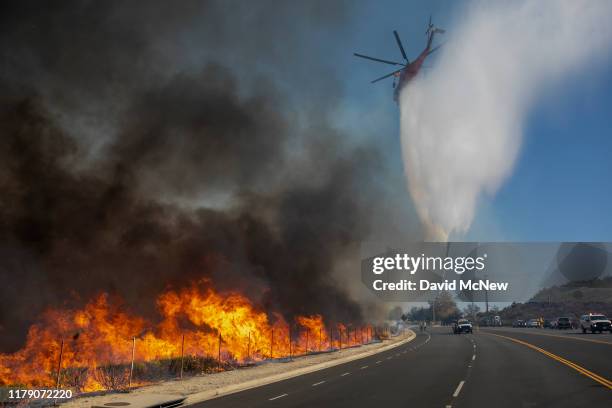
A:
[502,367]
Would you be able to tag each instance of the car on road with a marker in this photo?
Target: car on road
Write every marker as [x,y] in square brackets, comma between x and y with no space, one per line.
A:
[563,323]
[595,323]
[518,323]
[533,323]
[462,326]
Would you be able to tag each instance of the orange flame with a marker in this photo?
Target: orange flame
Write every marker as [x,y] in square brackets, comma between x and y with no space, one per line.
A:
[222,327]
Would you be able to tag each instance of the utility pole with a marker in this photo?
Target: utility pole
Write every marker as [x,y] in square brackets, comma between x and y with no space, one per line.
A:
[433,311]
[486,300]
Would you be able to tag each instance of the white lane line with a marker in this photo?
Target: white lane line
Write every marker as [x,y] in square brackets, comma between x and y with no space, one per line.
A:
[319,383]
[278,396]
[449,406]
[378,362]
[458,390]
[363,368]
[342,375]
[389,358]
[474,357]
[396,354]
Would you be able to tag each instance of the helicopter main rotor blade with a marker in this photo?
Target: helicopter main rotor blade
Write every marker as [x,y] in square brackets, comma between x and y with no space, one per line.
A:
[377,59]
[386,76]
[399,44]
[434,49]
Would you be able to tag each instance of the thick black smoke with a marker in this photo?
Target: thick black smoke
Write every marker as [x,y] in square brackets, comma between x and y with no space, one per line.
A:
[145,146]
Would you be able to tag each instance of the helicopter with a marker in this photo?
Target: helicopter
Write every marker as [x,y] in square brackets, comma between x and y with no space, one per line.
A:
[408,70]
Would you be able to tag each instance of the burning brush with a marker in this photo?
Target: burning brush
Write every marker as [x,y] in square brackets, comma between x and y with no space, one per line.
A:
[101,346]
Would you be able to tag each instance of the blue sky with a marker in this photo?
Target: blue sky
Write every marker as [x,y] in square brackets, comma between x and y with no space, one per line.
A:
[561,187]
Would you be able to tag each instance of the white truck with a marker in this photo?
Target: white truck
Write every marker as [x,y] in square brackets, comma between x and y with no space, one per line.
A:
[462,326]
[595,323]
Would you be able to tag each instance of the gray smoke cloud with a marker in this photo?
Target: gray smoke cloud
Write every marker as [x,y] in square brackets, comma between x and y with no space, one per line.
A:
[462,122]
[146,145]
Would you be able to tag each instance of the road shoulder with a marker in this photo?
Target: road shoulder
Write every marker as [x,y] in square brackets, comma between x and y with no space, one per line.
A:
[202,388]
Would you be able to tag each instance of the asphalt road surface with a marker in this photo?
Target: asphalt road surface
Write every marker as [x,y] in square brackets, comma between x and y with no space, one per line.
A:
[501,367]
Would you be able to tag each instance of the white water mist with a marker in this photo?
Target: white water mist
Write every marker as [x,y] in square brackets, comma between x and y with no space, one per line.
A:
[461,122]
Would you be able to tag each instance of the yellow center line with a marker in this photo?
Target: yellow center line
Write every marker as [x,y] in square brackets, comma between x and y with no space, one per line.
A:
[608,343]
[603,381]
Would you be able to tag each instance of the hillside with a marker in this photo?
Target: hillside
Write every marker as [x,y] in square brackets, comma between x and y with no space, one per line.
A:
[596,290]
[570,300]
[552,310]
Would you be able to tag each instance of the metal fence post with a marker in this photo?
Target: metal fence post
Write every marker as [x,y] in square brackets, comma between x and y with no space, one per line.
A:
[59,364]
[182,355]
[219,352]
[132,366]
[249,347]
